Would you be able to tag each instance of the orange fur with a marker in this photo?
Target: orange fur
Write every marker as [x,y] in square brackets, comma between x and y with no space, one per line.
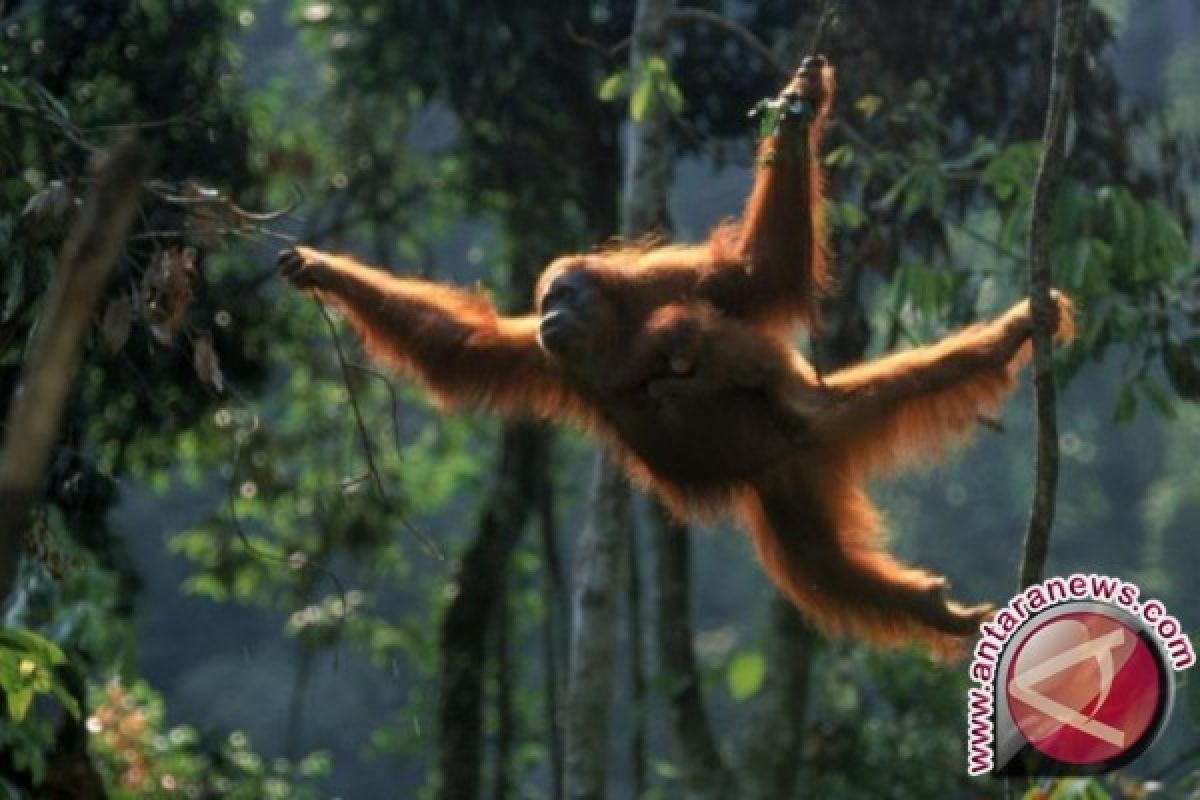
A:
[454,342]
[919,427]
[785,212]
[813,525]
[684,371]
[770,267]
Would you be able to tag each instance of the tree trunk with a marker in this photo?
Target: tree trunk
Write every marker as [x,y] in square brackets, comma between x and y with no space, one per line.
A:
[601,548]
[637,669]
[774,741]
[554,636]
[598,569]
[476,588]
[703,771]
[506,718]
[35,414]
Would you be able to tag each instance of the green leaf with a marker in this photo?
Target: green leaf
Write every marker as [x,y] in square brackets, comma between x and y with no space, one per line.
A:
[769,123]
[868,104]
[656,67]
[37,647]
[745,674]
[639,101]
[66,699]
[840,156]
[893,194]
[613,86]
[206,586]
[852,216]
[18,703]
[1004,190]
[674,97]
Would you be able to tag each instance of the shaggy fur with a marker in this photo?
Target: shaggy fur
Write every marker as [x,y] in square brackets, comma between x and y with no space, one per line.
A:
[683,367]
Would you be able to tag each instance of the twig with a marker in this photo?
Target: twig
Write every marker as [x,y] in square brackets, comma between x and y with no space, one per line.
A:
[393,396]
[242,232]
[232,489]
[188,115]
[35,415]
[987,241]
[608,51]
[681,16]
[171,194]
[828,12]
[1068,27]
[734,29]
[422,538]
[358,417]
[426,541]
[69,131]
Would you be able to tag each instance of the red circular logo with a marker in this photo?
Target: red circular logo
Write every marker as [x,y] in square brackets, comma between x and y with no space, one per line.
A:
[1084,688]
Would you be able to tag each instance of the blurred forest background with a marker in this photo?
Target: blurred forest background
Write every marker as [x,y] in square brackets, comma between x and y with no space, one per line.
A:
[261,570]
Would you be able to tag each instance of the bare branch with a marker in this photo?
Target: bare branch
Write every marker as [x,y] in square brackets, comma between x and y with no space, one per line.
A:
[64,126]
[734,29]
[608,51]
[824,22]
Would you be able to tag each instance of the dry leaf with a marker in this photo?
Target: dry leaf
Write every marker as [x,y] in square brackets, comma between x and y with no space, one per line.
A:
[167,291]
[204,360]
[51,204]
[194,191]
[209,215]
[206,229]
[48,211]
[116,323]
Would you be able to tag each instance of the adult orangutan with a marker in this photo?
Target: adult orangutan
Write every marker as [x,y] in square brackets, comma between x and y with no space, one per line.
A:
[678,357]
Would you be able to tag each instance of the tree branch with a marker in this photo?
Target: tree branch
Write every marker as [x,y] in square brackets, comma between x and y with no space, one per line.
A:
[35,413]
[734,29]
[1068,27]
